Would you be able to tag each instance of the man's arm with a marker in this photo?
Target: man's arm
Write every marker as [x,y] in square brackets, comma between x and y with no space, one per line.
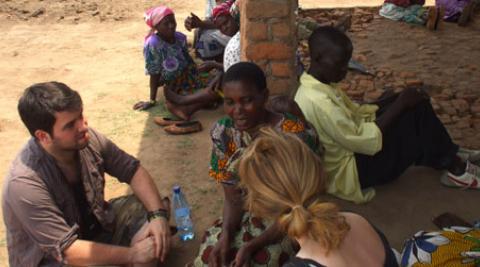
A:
[87,253]
[146,191]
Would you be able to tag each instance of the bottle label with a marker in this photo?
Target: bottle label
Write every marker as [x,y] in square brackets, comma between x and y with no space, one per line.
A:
[182,212]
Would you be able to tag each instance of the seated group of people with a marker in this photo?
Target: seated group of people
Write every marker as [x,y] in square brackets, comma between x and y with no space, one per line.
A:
[188,87]
[412,11]
[275,161]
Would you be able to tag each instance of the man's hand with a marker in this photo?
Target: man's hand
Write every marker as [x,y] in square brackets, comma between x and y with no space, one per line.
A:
[410,97]
[143,251]
[219,255]
[159,229]
[192,22]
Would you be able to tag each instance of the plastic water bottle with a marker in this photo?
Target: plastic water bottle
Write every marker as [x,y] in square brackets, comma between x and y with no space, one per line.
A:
[182,215]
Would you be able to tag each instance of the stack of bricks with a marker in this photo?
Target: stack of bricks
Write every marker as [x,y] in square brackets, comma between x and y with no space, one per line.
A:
[268,38]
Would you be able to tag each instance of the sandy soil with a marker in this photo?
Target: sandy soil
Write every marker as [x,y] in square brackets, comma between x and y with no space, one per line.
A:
[95,47]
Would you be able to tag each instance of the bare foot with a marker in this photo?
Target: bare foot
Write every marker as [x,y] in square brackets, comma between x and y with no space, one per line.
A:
[178,111]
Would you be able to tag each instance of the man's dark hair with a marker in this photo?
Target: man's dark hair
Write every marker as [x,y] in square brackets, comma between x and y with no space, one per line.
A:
[246,72]
[39,102]
[325,40]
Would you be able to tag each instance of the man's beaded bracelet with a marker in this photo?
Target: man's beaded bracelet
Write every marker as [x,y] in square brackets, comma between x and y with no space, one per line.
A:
[157,214]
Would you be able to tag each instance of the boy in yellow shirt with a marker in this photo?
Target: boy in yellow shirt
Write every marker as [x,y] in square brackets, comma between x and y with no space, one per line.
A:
[368,145]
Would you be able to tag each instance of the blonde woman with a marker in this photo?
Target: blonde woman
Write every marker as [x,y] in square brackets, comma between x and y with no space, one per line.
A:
[284,182]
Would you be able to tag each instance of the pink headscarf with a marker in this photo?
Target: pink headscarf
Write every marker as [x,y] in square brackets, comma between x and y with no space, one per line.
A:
[222,9]
[154,15]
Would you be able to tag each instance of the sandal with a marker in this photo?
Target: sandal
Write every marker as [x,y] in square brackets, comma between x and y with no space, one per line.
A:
[184,127]
[448,219]
[165,121]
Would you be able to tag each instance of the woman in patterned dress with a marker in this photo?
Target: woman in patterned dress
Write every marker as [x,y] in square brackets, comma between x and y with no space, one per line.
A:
[239,237]
[168,63]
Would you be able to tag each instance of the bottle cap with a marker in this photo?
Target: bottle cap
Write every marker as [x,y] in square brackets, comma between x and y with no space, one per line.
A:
[176,189]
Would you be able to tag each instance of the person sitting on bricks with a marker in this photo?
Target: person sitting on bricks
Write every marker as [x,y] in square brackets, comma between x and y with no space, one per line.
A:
[368,145]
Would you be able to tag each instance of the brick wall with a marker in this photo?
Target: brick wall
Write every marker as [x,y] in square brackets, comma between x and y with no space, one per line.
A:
[268,38]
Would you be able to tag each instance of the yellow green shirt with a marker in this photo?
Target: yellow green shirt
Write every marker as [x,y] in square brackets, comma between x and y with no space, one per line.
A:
[344,128]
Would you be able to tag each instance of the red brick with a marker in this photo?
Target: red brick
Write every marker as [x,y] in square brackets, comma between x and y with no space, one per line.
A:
[414,82]
[256,31]
[280,86]
[269,50]
[281,69]
[256,9]
[281,30]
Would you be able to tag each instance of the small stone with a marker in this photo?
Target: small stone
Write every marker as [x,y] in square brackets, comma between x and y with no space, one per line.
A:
[407,74]
[360,58]
[463,124]
[475,110]
[366,85]
[95,13]
[372,95]
[456,134]
[414,82]
[469,97]
[445,118]
[362,36]
[461,105]
[476,124]
[14,54]
[38,12]
[447,108]
[380,74]
[345,86]
[355,93]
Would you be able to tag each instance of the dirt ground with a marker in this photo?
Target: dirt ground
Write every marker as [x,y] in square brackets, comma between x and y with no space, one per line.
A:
[95,47]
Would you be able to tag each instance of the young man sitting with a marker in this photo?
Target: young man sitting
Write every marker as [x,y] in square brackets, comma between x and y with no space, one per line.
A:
[367,145]
[53,197]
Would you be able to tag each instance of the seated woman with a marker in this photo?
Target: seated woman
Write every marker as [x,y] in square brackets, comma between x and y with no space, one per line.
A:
[226,18]
[285,182]
[168,63]
[240,237]
[209,42]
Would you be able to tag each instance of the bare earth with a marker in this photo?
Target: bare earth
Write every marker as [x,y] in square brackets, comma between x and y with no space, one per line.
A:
[96,48]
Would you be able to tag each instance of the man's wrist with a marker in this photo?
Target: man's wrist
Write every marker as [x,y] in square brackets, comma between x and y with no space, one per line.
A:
[130,255]
[159,213]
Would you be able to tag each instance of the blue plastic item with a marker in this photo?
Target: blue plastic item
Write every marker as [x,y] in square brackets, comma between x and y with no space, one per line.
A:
[182,215]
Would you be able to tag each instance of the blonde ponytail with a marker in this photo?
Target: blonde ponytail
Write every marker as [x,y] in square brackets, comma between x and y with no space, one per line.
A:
[284,180]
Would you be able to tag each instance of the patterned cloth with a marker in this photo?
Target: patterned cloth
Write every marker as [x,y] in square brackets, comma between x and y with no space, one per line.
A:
[173,62]
[229,143]
[211,43]
[415,14]
[231,55]
[453,8]
[454,246]
[272,256]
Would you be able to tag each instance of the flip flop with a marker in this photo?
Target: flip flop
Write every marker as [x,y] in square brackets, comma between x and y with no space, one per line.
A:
[165,121]
[184,127]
